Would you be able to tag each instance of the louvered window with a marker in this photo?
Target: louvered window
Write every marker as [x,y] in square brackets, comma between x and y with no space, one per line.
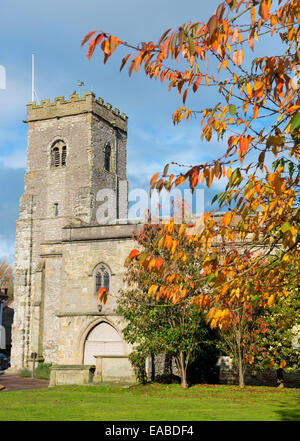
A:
[55,157]
[64,155]
[58,154]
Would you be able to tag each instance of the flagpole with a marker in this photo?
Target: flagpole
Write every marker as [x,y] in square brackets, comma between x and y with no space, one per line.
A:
[32,79]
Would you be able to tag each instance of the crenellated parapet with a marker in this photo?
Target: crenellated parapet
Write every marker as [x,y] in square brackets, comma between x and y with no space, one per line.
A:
[75,105]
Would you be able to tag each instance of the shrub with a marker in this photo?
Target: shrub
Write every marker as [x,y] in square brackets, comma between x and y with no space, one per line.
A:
[43,371]
[24,372]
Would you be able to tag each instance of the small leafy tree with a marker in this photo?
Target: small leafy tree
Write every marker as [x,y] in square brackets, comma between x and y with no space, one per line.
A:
[239,339]
[162,326]
[175,330]
[279,347]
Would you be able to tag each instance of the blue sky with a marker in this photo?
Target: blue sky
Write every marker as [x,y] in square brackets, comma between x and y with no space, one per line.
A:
[54,30]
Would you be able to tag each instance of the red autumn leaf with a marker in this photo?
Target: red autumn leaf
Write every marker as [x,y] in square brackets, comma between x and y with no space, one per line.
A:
[124,60]
[244,144]
[93,43]
[165,46]
[87,37]
[212,25]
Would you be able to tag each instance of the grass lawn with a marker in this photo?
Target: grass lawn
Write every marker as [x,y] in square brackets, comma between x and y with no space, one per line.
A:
[152,402]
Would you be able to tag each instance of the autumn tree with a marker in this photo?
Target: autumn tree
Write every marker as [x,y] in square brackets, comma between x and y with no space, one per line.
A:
[256,116]
[160,326]
[239,339]
[6,275]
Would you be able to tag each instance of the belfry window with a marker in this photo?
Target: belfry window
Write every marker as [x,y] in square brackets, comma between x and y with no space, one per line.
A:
[102,278]
[58,154]
[107,156]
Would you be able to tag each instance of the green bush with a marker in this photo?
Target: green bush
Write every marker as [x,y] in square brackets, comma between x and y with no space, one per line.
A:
[24,372]
[43,371]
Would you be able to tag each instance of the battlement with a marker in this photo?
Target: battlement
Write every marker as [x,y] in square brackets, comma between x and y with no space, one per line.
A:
[75,105]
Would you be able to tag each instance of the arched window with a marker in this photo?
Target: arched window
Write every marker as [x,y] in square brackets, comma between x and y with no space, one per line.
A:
[58,154]
[107,155]
[102,278]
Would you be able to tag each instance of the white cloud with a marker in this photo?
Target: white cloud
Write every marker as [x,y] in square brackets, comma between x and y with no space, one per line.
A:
[7,250]
[17,159]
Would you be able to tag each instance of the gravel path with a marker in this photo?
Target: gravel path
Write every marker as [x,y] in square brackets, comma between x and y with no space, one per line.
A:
[10,382]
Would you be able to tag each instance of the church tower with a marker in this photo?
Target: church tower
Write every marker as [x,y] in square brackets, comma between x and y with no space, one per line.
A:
[76,147]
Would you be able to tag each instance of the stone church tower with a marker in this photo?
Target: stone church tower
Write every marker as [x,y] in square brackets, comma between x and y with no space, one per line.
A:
[76,147]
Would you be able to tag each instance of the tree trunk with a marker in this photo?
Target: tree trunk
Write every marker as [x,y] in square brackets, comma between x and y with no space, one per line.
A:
[241,369]
[182,370]
[241,373]
[238,338]
[280,379]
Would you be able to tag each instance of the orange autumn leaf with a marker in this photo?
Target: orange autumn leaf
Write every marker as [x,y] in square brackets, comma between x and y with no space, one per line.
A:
[152,289]
[271,300]
[264,10]
[227,218]
[249,90]
[154,178]
[133,253]
[151,264]
[244,144]
[283,364]
[235,57]
[158,263]
[102,296]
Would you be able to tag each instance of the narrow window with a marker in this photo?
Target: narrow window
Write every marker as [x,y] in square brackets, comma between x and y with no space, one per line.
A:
[106,280]
[98,281]
[64,155]
[102,278]
[55,160]
[56,209]
[107,155]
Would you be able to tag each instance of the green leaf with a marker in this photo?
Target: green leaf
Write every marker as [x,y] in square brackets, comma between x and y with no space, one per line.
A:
[295,121]
[191,46]
[211,277]
[215,197]
[285,227]
[232,109]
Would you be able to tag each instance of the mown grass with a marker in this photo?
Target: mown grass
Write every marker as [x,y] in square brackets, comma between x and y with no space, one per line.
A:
[152,402]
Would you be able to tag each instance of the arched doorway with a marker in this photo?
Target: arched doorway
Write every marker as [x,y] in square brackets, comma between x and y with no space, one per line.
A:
[103,339]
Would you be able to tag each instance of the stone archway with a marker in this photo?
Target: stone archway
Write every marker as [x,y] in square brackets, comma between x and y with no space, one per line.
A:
[103,339]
